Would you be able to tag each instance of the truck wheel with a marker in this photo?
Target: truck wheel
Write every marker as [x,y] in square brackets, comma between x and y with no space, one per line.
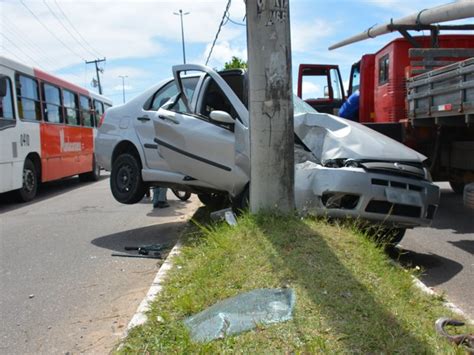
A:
[126,181]
[458,187]
[30,182]
[93,175]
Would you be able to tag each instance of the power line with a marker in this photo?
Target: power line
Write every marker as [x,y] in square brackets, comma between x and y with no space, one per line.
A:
[219,30]
[75,30]
[51,32]
[19,37]
[67,29]
[12,53]
[234,22]
[21,50]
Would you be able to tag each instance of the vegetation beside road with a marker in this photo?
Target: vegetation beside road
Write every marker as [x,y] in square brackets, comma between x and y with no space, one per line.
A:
[349,296]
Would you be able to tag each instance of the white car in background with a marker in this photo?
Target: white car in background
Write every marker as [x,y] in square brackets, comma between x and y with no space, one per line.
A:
[191,133]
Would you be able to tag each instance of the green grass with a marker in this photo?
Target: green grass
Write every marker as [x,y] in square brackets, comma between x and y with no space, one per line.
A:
[349,296]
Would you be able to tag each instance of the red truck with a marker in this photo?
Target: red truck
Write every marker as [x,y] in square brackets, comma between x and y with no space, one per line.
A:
[414,93]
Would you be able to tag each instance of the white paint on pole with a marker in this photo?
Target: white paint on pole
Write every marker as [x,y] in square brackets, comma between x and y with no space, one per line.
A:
[270,105]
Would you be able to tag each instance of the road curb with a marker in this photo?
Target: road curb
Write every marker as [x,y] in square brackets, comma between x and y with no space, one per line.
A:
[451,306]
[140,316]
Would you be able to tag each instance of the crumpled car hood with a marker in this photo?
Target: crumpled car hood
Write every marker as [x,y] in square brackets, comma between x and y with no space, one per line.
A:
[331,137]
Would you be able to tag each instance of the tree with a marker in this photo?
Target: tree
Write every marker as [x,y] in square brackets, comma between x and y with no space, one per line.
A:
[236,63]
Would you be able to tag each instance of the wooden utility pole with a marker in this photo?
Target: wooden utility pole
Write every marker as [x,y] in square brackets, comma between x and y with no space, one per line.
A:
[97,70]
[270,106]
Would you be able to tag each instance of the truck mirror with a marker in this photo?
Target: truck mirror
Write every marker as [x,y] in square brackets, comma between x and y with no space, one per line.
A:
[326,91]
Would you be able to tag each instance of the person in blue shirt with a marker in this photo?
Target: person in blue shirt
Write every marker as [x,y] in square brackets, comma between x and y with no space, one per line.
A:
[350,108]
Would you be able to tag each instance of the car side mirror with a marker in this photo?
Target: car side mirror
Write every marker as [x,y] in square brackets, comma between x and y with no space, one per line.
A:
[3,86]
[221,116]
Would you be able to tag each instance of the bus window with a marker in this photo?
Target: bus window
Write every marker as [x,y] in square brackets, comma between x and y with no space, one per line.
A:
[29,107]
[72,110]
[87,118]
[99,110]
[6,100]
[52,104]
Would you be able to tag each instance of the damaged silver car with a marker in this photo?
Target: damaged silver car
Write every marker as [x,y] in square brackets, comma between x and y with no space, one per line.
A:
[192,133]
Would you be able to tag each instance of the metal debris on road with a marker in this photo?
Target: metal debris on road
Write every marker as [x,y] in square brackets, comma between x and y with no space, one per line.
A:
[145,251]
[226,214]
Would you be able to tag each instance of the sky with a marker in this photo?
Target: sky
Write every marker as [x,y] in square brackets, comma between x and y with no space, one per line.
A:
[141,39]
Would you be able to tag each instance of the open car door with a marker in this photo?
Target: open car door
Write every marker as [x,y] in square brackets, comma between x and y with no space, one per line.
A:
[200,144]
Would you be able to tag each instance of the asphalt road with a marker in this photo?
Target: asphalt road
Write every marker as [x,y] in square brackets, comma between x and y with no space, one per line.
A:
[445,251]
[61,290]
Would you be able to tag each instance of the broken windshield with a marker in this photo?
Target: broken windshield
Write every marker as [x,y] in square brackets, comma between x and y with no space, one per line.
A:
[301,107]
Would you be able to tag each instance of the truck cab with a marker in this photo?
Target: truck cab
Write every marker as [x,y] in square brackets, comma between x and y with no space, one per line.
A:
[320,85]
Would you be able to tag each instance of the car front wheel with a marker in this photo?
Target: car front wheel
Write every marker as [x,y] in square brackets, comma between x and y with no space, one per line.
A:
[126,181]
[213,199]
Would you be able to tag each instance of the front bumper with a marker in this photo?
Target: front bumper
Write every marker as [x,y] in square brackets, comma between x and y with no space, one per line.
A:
[356,193]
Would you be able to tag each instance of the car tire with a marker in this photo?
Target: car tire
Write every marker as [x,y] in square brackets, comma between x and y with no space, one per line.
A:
[468,196]
[93,175]
[458,187]
[126,181]
[213,199]
[241,202]
[182,195]
[30,182]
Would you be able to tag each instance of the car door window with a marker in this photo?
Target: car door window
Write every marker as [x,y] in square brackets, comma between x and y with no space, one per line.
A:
[215,100]
[170,90]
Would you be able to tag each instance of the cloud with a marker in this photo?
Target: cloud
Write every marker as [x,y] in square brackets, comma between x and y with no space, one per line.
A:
[114,29]
[223,52]
[309,33]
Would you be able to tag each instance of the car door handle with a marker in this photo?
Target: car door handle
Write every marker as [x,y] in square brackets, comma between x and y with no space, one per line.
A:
[174,120]
[143,118]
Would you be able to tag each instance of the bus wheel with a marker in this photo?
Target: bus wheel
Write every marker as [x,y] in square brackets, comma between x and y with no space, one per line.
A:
[30,182]
[126,181]
[93,175]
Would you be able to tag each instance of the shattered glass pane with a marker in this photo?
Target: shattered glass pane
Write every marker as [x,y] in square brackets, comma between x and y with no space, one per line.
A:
[241,313]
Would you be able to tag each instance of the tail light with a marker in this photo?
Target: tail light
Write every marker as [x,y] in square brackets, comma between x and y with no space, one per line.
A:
[101,120]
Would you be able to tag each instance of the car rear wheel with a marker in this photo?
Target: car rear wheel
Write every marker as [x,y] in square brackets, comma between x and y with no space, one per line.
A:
[126,181]
[182,195]
[30,182]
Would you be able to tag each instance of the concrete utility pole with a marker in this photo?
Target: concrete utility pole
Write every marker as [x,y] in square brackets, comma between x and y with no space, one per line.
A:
[97,70]
[271,105]
[123,86]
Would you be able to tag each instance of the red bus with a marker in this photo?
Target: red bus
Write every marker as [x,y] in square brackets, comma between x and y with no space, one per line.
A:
[47,129]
